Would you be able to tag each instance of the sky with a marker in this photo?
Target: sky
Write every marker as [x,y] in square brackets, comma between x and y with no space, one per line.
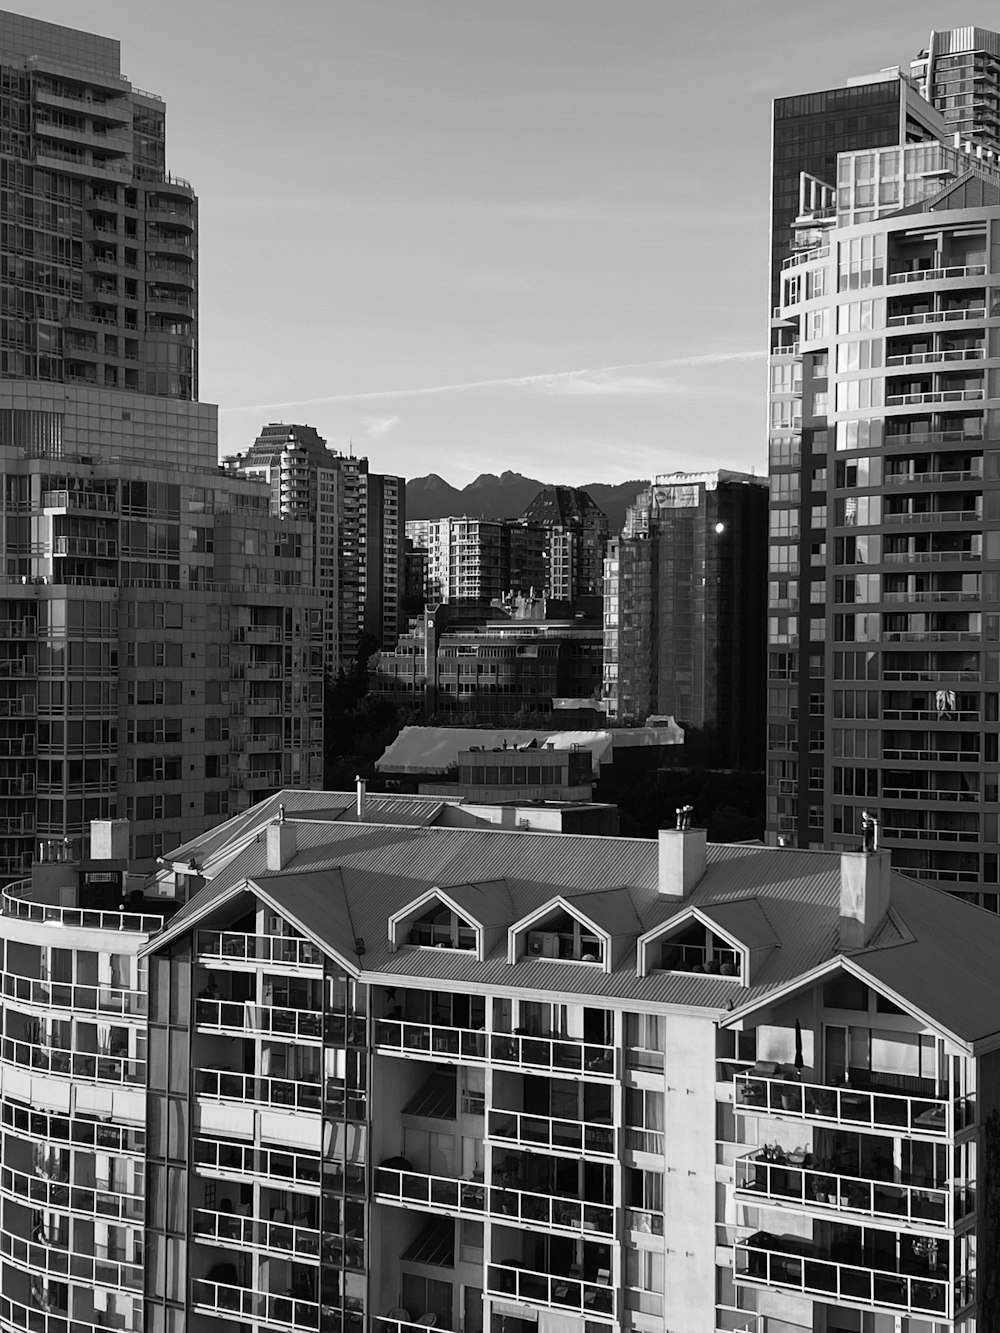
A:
[462,236]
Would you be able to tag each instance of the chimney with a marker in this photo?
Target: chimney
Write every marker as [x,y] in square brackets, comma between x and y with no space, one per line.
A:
[282,842]
[864,896]
[682,856]
[361,798]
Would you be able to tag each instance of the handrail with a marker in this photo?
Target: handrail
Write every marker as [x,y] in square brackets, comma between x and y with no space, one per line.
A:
[237,947]
[227,1298]
[120,1001]
[256,1233]
[430,1038]
[104,1068]
[249,1016]
[818,1187]
[919,1293]
[553,1053]
[573,1293]
[546,1131]
[13,903]
[231,1085]
[921,1115]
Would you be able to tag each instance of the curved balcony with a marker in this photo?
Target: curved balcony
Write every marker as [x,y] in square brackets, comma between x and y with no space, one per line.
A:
[855,1108]
[99,1066]
[96,1269]
[15,902]
[937,274]
[788,1263]
[80,1199]
[63,995]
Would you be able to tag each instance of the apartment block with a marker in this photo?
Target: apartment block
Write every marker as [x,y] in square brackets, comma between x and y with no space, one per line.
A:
[359,517]
[417,1076]
[684,610]
[576,534]
[477,560]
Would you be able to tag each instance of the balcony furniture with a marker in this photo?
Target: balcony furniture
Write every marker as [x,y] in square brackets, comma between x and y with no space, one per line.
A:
[398,1312]
[427,1320]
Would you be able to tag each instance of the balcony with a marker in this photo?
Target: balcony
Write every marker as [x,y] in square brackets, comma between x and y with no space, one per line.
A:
[269,1165]
[853,1107]
[557,1212]
[553,1054]
[43,1192]
[296,1242]
[787,1263]
[215,947]
[936,317]
[787,1180]
[972,353]
[14,901]
[932,756]
[247,1017]
[280,1312]
[934,396]
[543,1131]
[66,995]
[229,1085]
[933,517]
[586,1294]
[397,1184]
[429,1040]
[937,274]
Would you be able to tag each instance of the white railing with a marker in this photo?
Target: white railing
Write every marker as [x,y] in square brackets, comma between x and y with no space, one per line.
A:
[300,1242]
[933,516]
[924,1294]
[934,358]
[787,1182]
[243,1159]
[938,274]
[856,1107]
[551,1211]
[430,1038]
[248,1016]
[117,1000]
[228,946]
[545,1131]
[85,1199]
[14,902]
[105,1068]
[98,1269]
[427,1191]
[553,1053]
[248,1303]
[932,756]
[569,1293]
[229,1085]
[936,317]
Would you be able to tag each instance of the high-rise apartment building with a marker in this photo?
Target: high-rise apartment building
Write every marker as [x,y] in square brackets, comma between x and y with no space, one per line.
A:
[359,518]
[576,534]
[884,524]
[684,610]
[477,560]
[959,72]
[162,641]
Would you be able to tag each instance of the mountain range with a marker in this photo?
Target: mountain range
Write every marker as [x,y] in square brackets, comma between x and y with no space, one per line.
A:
[506,496]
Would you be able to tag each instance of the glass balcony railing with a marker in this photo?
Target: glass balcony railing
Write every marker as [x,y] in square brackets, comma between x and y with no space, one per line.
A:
[588,1137]
[279,1311]
[14,901]
[556,1211]
[248,1016]
[855,1107]
[555,1054]
[430,1038]
[800,1186]
[762,1260]
[395,1185]
[105,1068]
[229,946]
[586,1296]
[67,995]
[730,1319]
[229,1085]
[233,1158]
[298,1242]
[54,1194]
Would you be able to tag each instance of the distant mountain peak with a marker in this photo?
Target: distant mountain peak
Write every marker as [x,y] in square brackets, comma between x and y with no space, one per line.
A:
[508,495]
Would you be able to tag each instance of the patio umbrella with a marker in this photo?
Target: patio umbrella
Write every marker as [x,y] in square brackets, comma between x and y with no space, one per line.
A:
[799,1062]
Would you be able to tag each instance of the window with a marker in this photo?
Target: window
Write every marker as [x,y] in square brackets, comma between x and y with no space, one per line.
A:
[644,1119]
[646,1040]
[644,1280]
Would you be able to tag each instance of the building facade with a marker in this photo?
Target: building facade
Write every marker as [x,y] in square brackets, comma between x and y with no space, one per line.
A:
[882,599]
[359,517]
[478,560]
[576,534]
[147,597]
[629,1083]
[684,610]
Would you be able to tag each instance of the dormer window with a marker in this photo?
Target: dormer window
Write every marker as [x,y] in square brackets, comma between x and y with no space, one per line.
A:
[442,928]
[699,949]
[562,935]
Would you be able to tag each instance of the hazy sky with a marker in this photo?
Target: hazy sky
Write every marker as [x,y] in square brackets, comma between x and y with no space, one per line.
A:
[470,236]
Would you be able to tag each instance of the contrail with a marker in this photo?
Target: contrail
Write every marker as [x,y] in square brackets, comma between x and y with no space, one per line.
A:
[514,382]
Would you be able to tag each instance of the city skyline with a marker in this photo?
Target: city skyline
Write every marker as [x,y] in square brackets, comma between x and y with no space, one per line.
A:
[514,232]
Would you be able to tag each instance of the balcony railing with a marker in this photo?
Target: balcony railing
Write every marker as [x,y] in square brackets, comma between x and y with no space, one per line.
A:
[248,1016]
[115,1000]
[934,396]
[786,1182]
[47,1193]
[895,833]
[855,1107]
[938,274]
[547,1210]
[14,901]
[934,358]
[937,317]
[228,946]
[930,715]
[555,1054]
[266,1164]
[395,1185]
[931,756]
[552,1132]
[920,1294]
[247,1303]
[228,1085]
[105,1068]
[430,1038]
[928,794]
[932,516]
[299,1242]
[568,1293]
[932,478]
[952,595]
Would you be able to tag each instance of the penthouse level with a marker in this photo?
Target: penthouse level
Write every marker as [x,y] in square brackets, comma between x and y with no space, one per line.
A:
[414,1075]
